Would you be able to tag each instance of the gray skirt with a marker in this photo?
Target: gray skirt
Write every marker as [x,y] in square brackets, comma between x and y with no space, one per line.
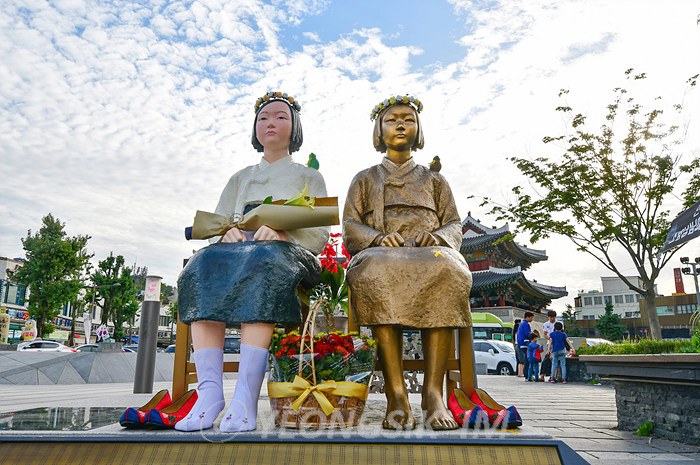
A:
[246,282]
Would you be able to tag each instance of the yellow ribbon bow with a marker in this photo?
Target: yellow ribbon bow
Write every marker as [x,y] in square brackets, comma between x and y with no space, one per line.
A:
[305,387]
[302,388]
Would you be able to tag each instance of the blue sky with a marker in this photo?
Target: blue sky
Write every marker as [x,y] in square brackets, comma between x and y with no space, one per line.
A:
[122,118]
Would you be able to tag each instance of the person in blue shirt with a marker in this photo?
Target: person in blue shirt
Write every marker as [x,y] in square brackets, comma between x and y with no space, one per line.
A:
[522,339]
[533,360]
[557,347]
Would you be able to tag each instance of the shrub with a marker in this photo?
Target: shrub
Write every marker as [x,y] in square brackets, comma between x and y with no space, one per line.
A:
[644,346]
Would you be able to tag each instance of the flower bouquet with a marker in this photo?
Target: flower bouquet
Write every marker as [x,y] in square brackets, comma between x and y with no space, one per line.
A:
[319,381]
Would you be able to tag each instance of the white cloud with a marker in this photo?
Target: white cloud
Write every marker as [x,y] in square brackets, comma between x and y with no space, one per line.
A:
[122,119]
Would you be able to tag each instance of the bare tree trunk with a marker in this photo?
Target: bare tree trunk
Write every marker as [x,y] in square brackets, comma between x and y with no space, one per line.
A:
[652,316]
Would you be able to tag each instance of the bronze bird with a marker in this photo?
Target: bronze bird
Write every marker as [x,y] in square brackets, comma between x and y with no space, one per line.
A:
[435,165]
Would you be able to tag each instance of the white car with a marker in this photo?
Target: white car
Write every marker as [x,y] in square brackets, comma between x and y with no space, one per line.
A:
[498,356]
[43,346]
[87,348]
[594,341]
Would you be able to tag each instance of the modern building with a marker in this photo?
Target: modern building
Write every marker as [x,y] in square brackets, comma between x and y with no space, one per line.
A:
[13,297]
[498,263]
[674,311]
[590,305]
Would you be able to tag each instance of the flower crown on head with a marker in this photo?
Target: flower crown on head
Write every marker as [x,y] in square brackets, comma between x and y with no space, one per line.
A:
[276,96]
[398,100]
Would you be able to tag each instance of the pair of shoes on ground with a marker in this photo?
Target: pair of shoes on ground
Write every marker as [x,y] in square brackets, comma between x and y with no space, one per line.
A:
[479,410]
[160,412]
[555,381]
[243,410]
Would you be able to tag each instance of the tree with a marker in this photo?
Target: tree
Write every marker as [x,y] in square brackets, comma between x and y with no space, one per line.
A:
[118,303]
[173,319]
[79,302]
[608,191]
[609,325]
[51,271]
[570,327]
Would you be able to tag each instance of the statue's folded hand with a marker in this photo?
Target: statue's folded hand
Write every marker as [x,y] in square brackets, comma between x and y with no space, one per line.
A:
[233,235]
[392,240]
[426,239]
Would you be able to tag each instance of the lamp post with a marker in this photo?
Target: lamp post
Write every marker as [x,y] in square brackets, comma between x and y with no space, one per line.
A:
[695,271]
[148,337]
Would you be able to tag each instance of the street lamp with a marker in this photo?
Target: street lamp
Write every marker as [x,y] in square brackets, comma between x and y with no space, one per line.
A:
[693,269]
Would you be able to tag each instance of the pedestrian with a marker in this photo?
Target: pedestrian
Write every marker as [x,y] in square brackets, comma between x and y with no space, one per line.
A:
[522,339]
[547,329]
[533,358]
[557,348]
[518,360]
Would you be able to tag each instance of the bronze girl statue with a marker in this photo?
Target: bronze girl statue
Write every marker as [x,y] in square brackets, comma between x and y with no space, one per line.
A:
[401,226]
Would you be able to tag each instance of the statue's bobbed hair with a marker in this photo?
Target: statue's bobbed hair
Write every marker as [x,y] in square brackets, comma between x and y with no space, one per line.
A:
[297,137]
[377,140]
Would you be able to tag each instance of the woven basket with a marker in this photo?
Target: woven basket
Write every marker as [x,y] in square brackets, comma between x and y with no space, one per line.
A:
[310,415]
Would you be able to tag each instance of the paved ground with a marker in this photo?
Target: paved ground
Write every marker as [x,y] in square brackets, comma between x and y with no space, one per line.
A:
[581,415]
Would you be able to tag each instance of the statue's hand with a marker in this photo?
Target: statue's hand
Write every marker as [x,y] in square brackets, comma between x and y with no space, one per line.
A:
[392,240]
[233,235]
[425,239]
[265,233]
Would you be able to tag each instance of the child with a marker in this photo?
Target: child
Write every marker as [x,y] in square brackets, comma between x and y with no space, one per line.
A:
[533,358]
[557,347]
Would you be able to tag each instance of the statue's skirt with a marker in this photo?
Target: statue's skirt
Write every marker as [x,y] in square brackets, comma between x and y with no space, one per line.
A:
[418,287]
[246,282]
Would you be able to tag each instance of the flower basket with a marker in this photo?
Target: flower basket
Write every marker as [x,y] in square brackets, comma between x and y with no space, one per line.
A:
[319,381]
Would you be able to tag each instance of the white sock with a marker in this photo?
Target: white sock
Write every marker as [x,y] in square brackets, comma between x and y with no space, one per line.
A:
[210,391]
[242,413]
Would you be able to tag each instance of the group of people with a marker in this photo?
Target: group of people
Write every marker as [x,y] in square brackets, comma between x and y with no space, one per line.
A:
[530,354]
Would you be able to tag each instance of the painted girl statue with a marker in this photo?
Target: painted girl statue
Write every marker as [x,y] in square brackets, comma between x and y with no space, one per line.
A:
[248,280]
[401,226]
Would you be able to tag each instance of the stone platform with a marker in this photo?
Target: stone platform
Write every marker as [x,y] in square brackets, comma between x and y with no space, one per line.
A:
[581,416]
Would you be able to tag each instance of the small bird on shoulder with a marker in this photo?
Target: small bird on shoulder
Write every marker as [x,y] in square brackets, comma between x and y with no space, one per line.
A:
[313,162]
[435,165]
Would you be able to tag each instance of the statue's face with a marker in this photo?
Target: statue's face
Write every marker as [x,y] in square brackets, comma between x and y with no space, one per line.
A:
[273,128]
[399,127]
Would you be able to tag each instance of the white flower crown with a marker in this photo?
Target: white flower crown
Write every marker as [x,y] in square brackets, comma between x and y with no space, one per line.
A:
[276,96]
[400,100]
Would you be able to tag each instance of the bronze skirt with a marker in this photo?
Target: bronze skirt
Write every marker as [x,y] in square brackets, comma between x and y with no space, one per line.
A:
[418,287]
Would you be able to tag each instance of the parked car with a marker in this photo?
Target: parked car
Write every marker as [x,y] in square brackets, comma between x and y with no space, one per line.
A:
[170,349]
[43,346]
[130,348]
[498,356]
[594,341]
[87,348]
[232,345]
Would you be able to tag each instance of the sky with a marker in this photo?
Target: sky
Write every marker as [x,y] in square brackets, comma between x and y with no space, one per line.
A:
[123,118]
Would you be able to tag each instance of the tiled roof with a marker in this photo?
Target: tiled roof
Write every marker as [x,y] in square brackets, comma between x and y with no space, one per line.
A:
[499,277]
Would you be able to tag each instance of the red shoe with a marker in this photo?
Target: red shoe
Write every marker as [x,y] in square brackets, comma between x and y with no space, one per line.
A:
[499,415]
[458,405]
[167,417]
[136,417]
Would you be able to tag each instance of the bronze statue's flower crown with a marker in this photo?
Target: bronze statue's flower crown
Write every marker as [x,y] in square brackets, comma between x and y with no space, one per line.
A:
[276,96]
[400,100]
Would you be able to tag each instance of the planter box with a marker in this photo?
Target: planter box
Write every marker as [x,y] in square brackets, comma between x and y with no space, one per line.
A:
[662,388]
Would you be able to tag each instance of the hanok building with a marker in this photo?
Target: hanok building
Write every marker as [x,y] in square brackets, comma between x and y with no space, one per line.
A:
[497,264]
